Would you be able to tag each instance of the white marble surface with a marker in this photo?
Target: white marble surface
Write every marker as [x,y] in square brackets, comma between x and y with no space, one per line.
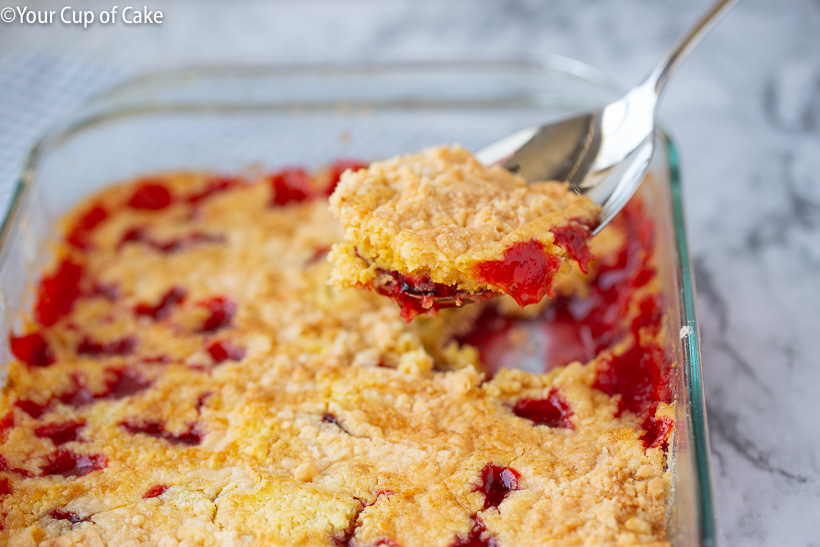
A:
[745,110]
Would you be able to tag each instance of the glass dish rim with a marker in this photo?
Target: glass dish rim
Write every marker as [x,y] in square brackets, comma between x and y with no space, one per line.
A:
[104,107]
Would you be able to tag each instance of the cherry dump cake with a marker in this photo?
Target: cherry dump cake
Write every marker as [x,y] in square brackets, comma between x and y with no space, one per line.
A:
[440,228]
[188,376]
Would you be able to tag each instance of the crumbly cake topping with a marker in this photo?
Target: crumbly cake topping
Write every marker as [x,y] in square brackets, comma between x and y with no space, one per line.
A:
[443,217]
[188,376]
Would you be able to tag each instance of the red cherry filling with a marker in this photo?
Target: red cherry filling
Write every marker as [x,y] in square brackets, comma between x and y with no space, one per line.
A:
[489,334]
[552,411]
[419,295]
[639,375]
[224,350]
[138,235]
[32,349]
[77,396]
[155,491]
[525,273]
[202,399]
[573,239]
[215,186]
[163,308]
[4,466]
[60,432]
[70,464]
[496,482]
[290,185]
[151,195]
[33,409]
[61,514]
[118,346]
[80,233]
[337,168]
[189,437]
[58,292]
[134,235]
[220,313]
[477,537]
[121,383]
[577,328]
[6,423]
[650,314]
[345,537]
[657,431]
[109,291]
[5,487]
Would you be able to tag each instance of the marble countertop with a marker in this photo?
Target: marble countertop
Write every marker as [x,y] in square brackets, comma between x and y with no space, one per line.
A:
[745,110]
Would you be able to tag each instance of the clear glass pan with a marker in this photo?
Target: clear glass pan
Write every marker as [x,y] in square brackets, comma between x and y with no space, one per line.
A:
[231,119]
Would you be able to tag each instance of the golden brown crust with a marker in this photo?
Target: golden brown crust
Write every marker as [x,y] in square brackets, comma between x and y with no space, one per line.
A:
[440,214]
[339,417]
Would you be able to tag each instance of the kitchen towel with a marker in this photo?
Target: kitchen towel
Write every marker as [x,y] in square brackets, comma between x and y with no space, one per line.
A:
[37,90]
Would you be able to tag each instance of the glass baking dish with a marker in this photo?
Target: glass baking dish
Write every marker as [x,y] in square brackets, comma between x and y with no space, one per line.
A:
[241,118]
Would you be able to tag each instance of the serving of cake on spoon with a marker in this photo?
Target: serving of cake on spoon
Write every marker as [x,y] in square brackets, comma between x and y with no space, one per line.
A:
[439,229]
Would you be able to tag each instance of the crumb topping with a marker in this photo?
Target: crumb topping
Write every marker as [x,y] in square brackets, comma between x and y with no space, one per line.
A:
[187,376]
[443,217]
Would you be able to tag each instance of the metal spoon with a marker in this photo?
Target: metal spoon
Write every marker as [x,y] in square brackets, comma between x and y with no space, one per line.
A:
[603,154]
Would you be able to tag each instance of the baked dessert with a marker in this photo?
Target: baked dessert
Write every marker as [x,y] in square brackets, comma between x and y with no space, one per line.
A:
[437,229]
[187,376]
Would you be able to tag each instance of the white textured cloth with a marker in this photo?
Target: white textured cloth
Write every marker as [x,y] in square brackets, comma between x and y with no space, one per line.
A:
[36,90]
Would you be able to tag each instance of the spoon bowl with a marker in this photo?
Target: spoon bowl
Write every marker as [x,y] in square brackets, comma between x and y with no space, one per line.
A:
[603,154]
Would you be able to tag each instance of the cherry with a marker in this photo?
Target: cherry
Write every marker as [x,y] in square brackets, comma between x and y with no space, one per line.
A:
[290,185]
[70,464]
[525,273]
[6,423]
[121,383]
[60,514]
[33,409]
[573,239]
[419,294]
[477,536]
[138,235]
[155,491]
[4,466]
[119,346]
[224,350]
[190,437]
[151,195]
[78,235]
[221,310]
[552,411]
[657,431]
[215,186]
[58,292]
[174,296]
[32,349]
[496,482]
[60,432]
[640,375]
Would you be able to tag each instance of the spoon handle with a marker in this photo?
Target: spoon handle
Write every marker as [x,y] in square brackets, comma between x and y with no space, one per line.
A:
[658,78]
